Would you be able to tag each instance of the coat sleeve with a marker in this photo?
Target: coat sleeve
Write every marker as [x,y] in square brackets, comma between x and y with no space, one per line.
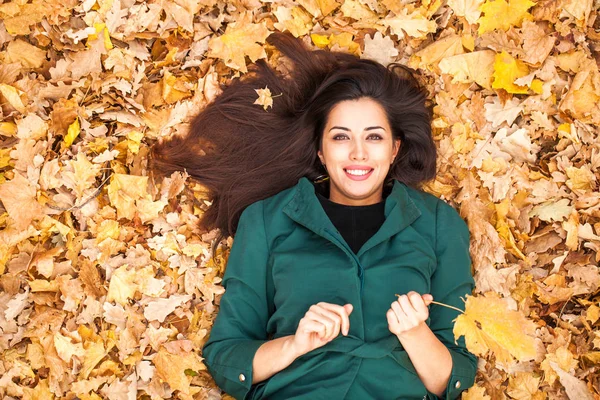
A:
[452,280]
[240,326]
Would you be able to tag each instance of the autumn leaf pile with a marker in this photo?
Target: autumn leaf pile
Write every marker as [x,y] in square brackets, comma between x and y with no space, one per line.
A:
[107,289]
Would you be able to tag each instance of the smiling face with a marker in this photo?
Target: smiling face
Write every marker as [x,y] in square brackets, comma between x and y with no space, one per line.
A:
[357,150]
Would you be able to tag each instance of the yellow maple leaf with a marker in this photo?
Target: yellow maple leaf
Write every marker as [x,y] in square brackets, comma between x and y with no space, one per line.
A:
[354,9]
[467,8]
[318,8]
[19,198]
[524,386]
[500,14]
[265,98]
[295,20]
[581,178]
[448,46]
[94,353]
[240,39]
[563,357]
[477,67]
[489,325]
[172,367]
[414,24]
[506,70]
[475,393]
[122,285]
[124,190]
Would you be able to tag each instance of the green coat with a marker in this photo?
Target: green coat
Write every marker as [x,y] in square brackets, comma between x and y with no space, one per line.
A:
[287,255]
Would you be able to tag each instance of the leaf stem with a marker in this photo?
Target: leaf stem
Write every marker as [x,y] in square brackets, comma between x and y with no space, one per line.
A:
[442,304]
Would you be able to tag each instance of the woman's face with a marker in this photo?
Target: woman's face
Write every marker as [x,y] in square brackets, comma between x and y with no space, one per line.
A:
[357,150]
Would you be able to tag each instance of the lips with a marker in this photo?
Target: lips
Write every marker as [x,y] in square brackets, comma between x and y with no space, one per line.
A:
[358,173]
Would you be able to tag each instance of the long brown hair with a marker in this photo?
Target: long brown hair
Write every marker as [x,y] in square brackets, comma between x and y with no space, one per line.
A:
[252,154]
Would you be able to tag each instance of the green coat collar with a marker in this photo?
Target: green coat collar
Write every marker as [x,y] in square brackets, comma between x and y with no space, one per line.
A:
[304,208]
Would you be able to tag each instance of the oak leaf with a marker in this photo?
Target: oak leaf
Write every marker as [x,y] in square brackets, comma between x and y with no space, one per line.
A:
[537,44]
[379,48]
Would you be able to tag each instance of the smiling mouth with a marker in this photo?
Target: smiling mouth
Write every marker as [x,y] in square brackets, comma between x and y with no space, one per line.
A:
[358,172]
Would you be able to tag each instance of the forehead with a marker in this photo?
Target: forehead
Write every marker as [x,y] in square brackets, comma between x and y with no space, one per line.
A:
[357,113]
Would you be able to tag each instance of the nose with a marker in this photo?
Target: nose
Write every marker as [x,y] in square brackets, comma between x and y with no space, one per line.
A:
[358,152]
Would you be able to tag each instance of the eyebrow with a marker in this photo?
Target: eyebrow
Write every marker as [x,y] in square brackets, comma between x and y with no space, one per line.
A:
[370,128]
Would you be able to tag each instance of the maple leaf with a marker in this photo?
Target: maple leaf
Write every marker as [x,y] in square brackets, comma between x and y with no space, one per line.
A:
[295,20]
[488,325]
[500,14]
[171,367]
[506,70]
[354,9]
[319,8]
[265,98]
[477,67]
[497,113]
[524,386]
[470,9]
[448,46]
[124,190]
[413,24]
[475,393]
[19,199]
[241,38]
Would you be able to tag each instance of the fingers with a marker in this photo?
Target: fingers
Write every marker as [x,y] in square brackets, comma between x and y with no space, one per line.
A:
[332,317]
[417,302]
[314,326]
[328,318]
[341,312]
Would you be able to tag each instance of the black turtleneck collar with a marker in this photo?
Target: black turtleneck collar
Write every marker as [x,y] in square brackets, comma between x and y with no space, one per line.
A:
[356,224]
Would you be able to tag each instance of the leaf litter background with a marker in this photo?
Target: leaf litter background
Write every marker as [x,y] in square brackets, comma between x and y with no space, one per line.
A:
[107,287]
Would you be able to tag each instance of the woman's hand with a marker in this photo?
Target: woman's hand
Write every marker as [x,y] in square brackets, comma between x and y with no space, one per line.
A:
[320,325]
[408,312]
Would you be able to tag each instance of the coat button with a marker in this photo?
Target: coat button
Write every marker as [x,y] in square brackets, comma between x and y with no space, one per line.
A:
[457,384]
[242,377]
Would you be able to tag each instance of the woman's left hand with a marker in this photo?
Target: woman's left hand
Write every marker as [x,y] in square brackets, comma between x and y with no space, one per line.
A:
[408,312]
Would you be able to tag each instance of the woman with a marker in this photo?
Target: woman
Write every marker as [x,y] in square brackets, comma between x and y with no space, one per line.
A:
[322,195]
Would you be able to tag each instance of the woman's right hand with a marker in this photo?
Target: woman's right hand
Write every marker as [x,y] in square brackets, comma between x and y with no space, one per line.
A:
[321,324]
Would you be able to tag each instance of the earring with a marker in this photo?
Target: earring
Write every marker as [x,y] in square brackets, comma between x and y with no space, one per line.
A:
[321,178]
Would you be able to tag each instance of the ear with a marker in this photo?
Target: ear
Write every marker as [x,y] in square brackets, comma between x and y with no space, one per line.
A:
[396,148]
[320,154]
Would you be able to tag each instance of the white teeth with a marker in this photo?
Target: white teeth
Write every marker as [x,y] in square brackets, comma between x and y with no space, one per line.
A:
[358,171]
